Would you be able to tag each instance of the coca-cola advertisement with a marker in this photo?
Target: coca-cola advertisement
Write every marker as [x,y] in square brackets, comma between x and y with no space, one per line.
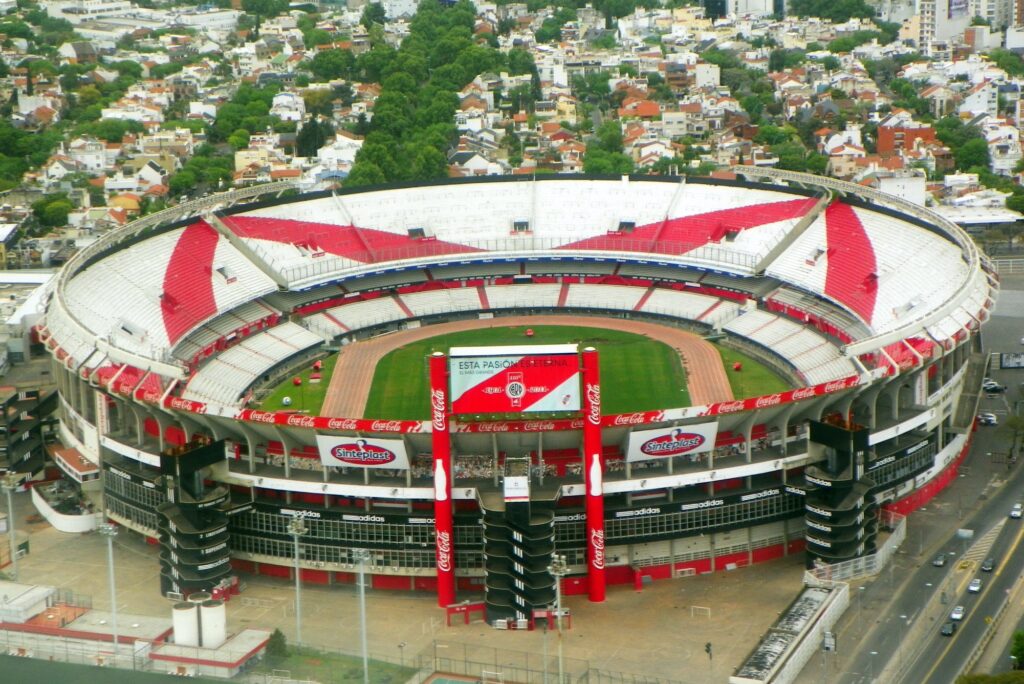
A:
[682,440]
[362,452]
[519,379]
[322,422]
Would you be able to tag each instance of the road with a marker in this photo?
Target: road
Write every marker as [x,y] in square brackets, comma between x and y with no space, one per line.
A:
[891,631]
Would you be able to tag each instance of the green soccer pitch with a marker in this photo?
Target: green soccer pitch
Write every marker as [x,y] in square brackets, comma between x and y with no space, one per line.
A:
[637,373]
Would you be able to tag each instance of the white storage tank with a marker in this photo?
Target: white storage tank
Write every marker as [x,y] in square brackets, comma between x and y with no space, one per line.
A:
[185,619]
[213,615]
[199,597]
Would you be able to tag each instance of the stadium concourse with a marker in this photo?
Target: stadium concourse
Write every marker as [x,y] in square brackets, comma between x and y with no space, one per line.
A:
[353,373]
[832,285]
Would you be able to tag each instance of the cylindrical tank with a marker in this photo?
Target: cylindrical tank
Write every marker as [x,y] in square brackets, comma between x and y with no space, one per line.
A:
[185,618]
[199,596]
[213,615]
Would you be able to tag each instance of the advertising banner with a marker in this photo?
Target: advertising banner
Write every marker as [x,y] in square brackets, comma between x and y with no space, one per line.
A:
[440,438]
[668,442]
[361,452]
[593,477]
[515,379]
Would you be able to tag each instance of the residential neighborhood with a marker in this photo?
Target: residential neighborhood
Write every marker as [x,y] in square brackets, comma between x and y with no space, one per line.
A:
[114,109]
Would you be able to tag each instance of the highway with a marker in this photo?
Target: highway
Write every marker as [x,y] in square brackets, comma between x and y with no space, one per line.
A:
[904,641]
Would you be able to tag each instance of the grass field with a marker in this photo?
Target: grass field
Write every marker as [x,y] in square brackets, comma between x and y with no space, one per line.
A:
[308,397]
[755,379]
[637,373]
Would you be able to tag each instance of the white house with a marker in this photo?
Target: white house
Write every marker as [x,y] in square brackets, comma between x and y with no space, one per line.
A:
[288,107]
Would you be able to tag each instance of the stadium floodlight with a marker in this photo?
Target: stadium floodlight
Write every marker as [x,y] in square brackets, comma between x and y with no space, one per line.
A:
[558,570]
[109,530]
[10,483]
[297,528]
[362,555]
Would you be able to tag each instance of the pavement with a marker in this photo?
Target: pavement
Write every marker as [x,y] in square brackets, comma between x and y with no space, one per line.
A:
[653,632]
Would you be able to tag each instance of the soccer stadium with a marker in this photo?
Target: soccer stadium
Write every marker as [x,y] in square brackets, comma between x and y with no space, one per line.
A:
[224,365]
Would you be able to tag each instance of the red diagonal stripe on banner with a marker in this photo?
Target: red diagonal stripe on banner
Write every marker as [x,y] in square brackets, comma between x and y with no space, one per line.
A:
[490,396]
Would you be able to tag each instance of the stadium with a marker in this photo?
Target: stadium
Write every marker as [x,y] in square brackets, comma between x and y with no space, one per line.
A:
[165,335]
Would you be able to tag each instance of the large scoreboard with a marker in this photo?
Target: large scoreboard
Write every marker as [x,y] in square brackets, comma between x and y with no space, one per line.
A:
[515,379]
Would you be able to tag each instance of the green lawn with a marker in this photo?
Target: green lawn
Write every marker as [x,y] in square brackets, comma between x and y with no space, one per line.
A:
[333,668]
[307,397]
[637,373]
[755,379]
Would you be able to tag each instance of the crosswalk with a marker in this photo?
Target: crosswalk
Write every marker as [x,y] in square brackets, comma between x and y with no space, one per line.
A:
[980,549]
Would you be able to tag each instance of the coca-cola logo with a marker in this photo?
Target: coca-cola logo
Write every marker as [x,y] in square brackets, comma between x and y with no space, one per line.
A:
[803,393]
[575,424]
[386,426]
[672,444]
[261,416]
[597,547]
[630,419]
[437,408]
[493,427]
[594,404]
[834,386]
[301,421]
[768,400]
[363,454]
[444,551]
[538,426]
[730,407]
[187,405]
[342,424]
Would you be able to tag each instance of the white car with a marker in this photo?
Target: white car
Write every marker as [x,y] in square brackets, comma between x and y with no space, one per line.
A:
[975,586]
[957,614]
[988,419]
[1017,510]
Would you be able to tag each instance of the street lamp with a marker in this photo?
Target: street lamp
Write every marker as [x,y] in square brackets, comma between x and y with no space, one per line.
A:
[362,555]
[109,530]
[1013,662]
[297,528]
[10,483]
[559,569]
[401,652]
[871,667]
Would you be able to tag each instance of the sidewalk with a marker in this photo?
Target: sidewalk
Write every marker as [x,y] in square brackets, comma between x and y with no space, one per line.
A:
[650,633]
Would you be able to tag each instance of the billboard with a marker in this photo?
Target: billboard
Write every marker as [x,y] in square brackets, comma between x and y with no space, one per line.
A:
[958,9]
[683,440]
[362,453]
[520,379]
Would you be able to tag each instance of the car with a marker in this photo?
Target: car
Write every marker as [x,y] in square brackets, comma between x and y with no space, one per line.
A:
[948,629]
[957,614]
[1017,510]
[939,560]
[992,387]
[975,586]
[988,419]
[989,565]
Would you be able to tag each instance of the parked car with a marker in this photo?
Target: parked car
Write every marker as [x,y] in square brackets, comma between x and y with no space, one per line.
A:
[948,629]
[975,586]
[988,419]
[1017,510]
[939,560]
[957,614]
[993,387]
[989,565]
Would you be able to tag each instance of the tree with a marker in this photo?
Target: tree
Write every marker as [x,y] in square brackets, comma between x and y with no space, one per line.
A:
[239,140]
[365,173]
[263,9]
[972,153]
[331,64]
[609,136]
[599,161]
[373,13]
[182,182]
[311,137]
[277,647]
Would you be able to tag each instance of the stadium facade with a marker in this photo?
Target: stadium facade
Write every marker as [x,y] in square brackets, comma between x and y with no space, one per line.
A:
[162,332]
